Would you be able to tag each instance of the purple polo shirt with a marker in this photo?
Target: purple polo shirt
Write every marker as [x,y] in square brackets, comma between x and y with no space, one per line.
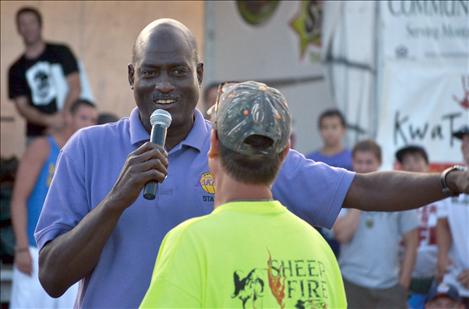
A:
[89,165]
[342,159]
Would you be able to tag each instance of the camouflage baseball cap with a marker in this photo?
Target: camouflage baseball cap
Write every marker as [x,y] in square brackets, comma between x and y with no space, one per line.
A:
[252,108]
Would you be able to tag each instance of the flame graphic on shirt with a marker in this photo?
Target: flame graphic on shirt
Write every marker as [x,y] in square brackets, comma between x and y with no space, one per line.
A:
[276,283]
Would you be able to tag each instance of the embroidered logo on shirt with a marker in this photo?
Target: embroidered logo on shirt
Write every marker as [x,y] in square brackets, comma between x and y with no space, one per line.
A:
[208,183]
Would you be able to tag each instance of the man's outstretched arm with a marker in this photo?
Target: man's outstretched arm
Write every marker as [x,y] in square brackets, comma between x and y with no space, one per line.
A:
[394,191]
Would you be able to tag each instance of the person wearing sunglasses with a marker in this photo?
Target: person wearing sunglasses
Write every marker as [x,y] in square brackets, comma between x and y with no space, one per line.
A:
[96,226]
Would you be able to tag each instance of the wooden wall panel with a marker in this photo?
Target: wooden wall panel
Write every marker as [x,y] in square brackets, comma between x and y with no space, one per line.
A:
[101,34]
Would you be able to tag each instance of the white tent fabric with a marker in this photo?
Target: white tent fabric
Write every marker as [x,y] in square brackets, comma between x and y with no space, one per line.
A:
[349,56]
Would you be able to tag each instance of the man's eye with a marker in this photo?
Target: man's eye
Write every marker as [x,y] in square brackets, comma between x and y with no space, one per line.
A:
[180,71]
[147,73]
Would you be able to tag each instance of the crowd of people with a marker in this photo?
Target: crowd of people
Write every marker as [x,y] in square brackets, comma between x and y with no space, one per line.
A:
[52,115]
[398,259]
[235,220]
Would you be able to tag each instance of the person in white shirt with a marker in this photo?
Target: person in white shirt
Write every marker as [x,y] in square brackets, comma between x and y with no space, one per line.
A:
[453,233]
[414,158]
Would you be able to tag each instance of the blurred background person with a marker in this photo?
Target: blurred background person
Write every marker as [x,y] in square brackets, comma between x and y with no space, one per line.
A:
[332,128]
[106,117]
[33,79]
[453,233]
[209,97]
[32,184]
[414,158]
[369,240]
[443,296]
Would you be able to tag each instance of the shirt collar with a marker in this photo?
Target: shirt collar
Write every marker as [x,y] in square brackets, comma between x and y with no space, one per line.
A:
[137,130]
[198,134]
[195,139]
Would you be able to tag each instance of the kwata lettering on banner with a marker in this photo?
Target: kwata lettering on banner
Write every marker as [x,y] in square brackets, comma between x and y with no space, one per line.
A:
[424,107]
[424,92]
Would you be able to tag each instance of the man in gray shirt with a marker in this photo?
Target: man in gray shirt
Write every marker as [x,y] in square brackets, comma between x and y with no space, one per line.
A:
[370,240]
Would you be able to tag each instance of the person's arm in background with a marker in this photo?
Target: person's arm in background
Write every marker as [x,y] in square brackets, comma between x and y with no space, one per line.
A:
[71,69]
[395,191]
[443,241]
[463,278]
[74,90]
[18,91]
[26,177]
[73,255]
[35,116]
[411,242]
[345,226]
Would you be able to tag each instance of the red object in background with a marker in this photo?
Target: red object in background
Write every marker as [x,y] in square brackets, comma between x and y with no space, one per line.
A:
[439,167]
[464,102]
[432,167]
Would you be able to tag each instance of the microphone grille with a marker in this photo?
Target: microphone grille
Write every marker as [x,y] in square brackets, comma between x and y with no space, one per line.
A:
[161,117]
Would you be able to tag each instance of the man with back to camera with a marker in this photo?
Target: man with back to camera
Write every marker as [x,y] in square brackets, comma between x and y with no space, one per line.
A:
[237,252]
[95,225]
[32,79]
[33,178]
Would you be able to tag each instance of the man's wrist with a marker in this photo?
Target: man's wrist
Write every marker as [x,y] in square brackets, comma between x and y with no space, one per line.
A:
[448,180]
[21,249]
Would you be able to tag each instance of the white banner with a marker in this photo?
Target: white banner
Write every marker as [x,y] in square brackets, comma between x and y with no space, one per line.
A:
[423,106]
[422,30]
[424,92]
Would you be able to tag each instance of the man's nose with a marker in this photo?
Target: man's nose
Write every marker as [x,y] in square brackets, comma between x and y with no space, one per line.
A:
[164,86]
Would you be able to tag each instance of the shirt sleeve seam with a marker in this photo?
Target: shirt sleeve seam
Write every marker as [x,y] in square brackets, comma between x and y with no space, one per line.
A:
[60,227]
[335,199]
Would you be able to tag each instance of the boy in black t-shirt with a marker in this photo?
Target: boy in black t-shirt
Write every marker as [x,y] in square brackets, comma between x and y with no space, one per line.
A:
[35,79]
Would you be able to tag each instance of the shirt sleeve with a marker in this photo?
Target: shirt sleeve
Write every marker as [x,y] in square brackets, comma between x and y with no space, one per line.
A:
[17,84]
[408,220]
[343,212]
[67,201]
[176,281]
[314,191]
[68,61]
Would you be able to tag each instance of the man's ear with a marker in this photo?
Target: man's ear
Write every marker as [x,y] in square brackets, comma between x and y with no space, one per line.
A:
[284,152]
[200,72]
[214,144]
[131,72]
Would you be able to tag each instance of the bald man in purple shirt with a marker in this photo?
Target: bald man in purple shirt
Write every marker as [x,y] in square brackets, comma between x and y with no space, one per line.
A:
[97,228]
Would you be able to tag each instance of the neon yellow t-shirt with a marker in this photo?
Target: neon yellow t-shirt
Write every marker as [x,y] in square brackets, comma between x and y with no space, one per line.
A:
[245,255]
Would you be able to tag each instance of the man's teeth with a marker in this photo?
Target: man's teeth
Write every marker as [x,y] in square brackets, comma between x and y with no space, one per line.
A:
[164,101]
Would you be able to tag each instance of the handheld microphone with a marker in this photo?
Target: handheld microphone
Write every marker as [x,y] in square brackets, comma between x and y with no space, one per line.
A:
[160,121]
